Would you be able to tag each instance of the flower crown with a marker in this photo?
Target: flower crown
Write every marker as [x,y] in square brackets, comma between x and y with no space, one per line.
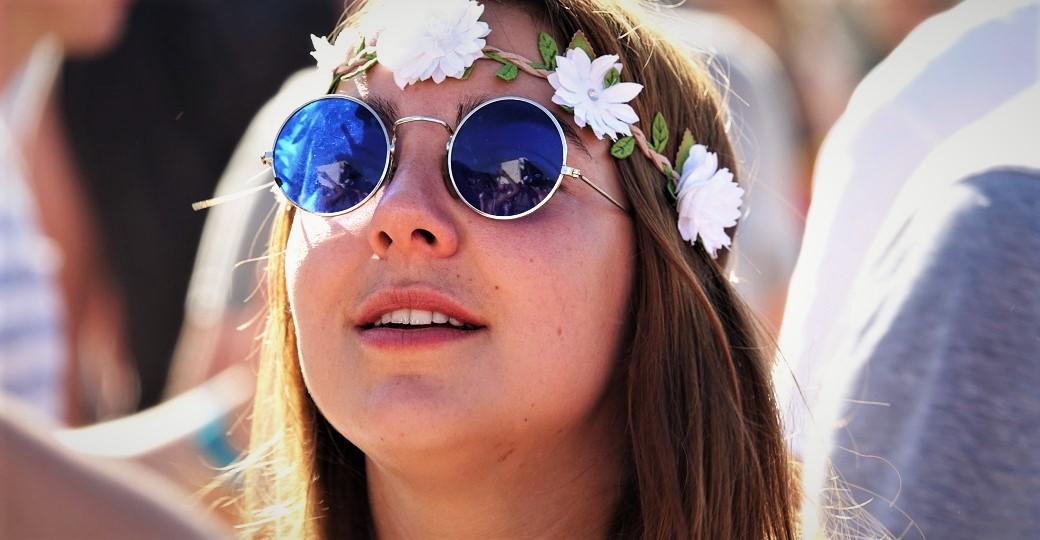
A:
[448,37]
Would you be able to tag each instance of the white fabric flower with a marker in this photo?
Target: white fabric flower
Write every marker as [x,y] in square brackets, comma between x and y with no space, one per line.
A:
[579,84]
[708,200]
[331,55]
[432,40]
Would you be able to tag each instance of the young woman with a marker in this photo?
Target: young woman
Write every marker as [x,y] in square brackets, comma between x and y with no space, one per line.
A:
[530,335]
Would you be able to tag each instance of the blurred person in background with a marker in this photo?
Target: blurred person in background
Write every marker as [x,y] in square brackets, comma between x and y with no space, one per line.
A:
[61,322]
[50,492]
[826,47]
[162,91]
[784,91]
[151,126]
[912,321]
[64,331]
[174,63]
[54,286]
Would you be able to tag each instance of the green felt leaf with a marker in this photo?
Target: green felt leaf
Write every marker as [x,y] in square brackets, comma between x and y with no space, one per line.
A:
[507,72]
[567,108]
[623,147]
[673,194]
[579,41]
[684,149]
[659,133]
[549,49]
[469,70]
[611,78]
[361,44]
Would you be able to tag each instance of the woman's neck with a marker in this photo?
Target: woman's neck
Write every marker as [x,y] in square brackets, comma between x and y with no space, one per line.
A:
[566,487]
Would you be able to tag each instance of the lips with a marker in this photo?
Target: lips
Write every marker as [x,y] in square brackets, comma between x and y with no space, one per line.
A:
[415,310]
[414,319]
[406,318]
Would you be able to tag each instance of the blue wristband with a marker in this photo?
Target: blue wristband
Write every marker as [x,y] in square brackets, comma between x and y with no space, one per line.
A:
[213,441]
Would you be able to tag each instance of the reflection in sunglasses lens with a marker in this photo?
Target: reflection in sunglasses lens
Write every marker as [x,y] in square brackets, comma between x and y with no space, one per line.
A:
[330,155]
[506,157]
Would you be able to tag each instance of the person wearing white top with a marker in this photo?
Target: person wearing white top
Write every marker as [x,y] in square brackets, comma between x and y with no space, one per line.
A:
[949,72]
[32,345]
[909,325]
[37,319]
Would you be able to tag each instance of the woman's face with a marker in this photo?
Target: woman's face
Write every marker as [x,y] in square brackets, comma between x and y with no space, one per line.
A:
[545,295]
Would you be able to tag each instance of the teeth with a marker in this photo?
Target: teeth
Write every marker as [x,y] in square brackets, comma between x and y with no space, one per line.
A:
[418,317]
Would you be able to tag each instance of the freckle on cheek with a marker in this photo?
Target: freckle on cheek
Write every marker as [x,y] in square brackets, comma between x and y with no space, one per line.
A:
[506,455]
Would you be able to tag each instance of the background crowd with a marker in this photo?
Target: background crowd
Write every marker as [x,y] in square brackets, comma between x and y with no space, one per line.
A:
[890,153]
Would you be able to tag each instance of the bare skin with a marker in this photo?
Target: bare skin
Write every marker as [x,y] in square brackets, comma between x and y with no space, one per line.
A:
[52,493]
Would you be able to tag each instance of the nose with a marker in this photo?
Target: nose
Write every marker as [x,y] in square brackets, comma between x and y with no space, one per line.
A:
[414,215]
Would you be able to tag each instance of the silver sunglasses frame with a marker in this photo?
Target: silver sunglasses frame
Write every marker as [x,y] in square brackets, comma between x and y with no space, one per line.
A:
[391,138]
[268,157]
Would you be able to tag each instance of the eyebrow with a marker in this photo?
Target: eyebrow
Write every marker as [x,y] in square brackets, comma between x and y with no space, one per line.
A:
[387,110]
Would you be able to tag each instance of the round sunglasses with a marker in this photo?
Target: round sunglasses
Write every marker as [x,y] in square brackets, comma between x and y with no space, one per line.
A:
[505,159]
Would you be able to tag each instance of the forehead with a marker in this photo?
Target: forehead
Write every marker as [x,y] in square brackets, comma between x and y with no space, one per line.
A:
[512,30]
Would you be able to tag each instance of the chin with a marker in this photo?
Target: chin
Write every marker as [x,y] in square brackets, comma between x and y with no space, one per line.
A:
[409,422]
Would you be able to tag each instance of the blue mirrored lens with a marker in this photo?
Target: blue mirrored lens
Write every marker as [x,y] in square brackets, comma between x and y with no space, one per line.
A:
[330,155]
[507,157]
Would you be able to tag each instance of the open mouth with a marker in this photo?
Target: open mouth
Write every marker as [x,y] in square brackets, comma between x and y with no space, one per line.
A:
[418,319]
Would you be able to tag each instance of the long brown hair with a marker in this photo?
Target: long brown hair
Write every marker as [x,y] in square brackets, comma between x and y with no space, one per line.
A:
[706,457]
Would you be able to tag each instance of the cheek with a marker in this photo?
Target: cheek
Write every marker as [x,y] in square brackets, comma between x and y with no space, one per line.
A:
[323,261]
[307,257]
[319,261]
[565,291]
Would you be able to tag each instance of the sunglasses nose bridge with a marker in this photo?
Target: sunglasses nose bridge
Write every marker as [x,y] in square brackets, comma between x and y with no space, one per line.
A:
[420,118]
[447,145]
[409,119]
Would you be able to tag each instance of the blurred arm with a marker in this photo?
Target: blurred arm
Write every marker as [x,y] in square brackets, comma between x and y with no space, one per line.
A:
[49,492]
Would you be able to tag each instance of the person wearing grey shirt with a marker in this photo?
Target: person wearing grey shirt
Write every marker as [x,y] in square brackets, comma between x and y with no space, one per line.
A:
[921,347]
[942,432]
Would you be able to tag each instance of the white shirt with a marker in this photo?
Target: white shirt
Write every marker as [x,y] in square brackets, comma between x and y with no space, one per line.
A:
[32,342]
[951,71]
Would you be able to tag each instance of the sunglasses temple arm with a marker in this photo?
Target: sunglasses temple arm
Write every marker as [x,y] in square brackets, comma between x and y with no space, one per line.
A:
[202,205]
[575,173]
